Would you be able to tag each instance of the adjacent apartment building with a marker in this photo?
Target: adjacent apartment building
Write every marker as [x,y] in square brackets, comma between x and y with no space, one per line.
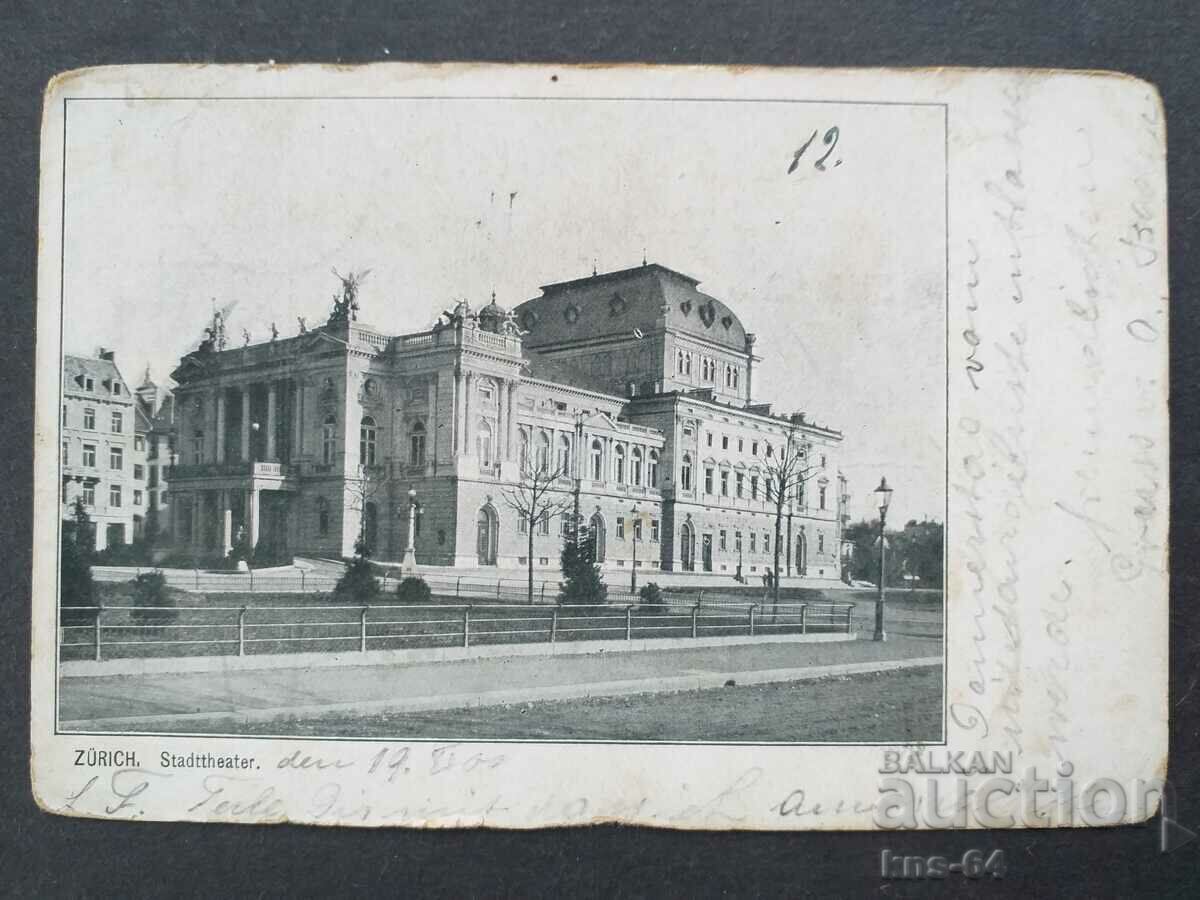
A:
[633,385]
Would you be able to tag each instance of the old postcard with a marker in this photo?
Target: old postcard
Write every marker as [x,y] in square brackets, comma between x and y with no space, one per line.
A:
[519,446]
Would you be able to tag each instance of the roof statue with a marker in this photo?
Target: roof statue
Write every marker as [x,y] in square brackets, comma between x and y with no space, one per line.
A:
[303,321]
[274,332]
[461,315]
[245,337]
[345,307]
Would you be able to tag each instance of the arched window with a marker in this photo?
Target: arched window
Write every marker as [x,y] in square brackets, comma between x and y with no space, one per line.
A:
[483,443]
[543,452]
[564,456]
[198,447]
[597,460]
[328,440]
[635,467]
[322,516]
[685,473]
[416,444]
[366,441]
[619,464]
[652,470]
[523,449]
[735,377]
[687,363]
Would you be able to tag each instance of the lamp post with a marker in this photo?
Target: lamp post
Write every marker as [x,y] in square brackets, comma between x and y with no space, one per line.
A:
[633,524]
[254,427]
[409,566]
[884,494]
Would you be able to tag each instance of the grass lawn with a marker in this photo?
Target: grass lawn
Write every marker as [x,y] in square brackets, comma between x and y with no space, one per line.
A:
[894,707]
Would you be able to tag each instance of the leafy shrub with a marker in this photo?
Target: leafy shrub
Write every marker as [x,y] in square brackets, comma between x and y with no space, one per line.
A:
[77,586]
[651,594]
[581,582]
[359,584]
[413,590]
[135,554]
[150,593]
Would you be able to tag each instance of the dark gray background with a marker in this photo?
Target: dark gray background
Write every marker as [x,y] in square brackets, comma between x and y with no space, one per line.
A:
[43,855]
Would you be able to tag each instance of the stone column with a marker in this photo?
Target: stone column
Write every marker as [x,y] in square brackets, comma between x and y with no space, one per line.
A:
[432,440]
[226,524]
[252,517]
[510,419]
[294,440]
[456,444]
[220,425]
[501,449]
[468,429]
[246,423]
[272,402]
[300,398]
[197,500]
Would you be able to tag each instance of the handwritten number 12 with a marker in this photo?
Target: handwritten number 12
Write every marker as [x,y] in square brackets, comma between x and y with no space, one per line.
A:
[830,140]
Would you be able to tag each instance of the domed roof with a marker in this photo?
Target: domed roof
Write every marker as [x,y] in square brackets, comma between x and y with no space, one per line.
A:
[636,299]
[492,316]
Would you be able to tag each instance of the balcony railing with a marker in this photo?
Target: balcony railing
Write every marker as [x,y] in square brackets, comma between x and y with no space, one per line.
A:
[225,469]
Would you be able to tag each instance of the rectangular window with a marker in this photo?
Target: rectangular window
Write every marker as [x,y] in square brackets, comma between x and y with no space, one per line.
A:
[544,524]
[89,419]
[737,541]
[66,453]
[822,498]
[708,480]
[753,542]
[654,532]
[754,448]
[724,442]
[722,540]
[64,414]
[709,437]
[139,443]
[741,484]
[724,484]
[523,525]
[741,445]
[89,455]
[89,384]
[637,529]
[753,487]
[821,543]
[562,525]
[116,458]
[137,498]
[139,471]
[766,542]
[620,528]
[117,422]
[114,495]
[88,494]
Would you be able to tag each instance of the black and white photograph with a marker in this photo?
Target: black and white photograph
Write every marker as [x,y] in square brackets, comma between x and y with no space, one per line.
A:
[488,419]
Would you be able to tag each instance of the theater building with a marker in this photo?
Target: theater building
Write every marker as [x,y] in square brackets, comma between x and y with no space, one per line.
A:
[634,385]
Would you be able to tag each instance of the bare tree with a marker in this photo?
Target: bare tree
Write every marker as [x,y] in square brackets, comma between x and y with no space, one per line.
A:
[370,482]
[537,498]
[787,469]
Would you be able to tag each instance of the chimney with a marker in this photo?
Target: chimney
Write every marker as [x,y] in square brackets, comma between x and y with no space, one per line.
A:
[106,354]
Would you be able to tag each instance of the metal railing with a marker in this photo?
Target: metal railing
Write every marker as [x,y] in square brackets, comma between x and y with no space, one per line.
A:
[109,632]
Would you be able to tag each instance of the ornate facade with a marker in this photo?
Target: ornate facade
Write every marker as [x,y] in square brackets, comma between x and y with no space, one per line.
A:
[633,385]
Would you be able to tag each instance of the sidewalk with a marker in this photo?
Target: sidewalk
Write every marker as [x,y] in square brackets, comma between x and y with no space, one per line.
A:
[221,700]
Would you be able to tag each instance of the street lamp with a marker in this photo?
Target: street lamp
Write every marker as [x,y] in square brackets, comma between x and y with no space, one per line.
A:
[633,524]
[409,566]
[255,427]
[884,493]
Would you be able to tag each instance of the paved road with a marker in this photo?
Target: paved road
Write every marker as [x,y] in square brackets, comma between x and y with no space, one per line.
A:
[228,697]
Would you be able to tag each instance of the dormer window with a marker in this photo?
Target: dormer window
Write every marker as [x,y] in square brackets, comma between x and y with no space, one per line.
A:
[89,384]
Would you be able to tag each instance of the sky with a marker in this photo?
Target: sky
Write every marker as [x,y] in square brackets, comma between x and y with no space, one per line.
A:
[174,205]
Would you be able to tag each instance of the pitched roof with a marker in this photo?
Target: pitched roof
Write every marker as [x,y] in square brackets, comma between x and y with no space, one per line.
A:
[76,368]
[617,303]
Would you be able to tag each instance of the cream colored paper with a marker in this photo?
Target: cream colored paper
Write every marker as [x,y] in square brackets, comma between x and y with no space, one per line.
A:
[1047,192]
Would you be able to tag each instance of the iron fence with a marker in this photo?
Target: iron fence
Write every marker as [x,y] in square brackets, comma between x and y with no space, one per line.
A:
[110,632]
